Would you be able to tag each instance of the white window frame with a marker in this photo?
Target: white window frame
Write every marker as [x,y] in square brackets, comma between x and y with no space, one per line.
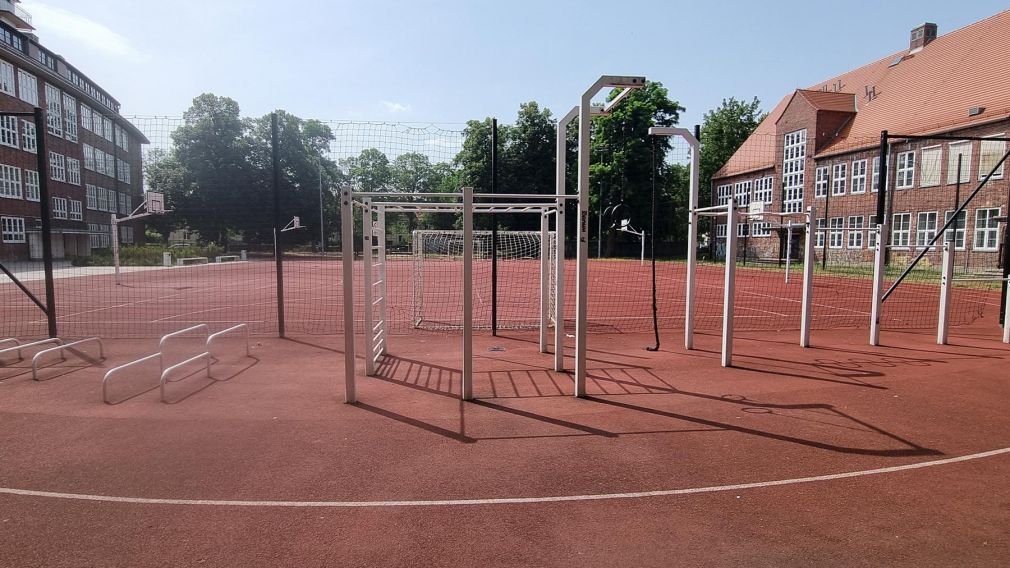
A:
[858,177]
[76,214]
[854,232]
[9,127]
[763,189]
[925,228]
[57,167]
[54,110]
[87,116]
[28,87]
[929,172]
[12,230]
[871,238]
[720,231]
[761,229]
[821,181]
[91,193]
[742,193]
[989,231]
[794,163]
[723,193]
[905,172]
[110,165]
[107,126]
[32,191]
[89,157]
[839,175]
[901,230]
[836,229]
[60,210]
[70,117]
[7,84]
[73,171]
[959,232]
[29,138]
[819,236]
[743,229]
[964,149]
[10,182]
[990,152]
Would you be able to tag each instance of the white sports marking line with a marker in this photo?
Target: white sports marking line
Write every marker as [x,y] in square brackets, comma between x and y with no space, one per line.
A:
[501,500]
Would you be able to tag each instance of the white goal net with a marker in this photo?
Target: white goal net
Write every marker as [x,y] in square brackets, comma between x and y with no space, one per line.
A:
[436,281]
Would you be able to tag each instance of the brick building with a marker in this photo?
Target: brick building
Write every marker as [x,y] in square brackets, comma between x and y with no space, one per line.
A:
[820,146]
[94,154]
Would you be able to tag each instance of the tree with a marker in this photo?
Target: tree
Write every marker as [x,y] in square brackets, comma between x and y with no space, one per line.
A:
[369,170]
[723,131]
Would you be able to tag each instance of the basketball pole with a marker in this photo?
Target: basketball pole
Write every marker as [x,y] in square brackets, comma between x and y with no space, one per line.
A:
[278,252]
[494,229]
[652,246]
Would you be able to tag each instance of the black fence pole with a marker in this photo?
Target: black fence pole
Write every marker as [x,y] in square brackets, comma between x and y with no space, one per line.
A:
[494,229]
[882,191]
[652,247]
[45,213]
[1006,258]
[827,224]
[278,250]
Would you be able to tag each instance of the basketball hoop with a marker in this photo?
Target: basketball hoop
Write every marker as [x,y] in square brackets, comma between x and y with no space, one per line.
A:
[155,202]
[295,223]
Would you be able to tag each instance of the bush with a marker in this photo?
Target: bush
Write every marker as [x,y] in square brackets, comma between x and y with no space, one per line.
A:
[145,255]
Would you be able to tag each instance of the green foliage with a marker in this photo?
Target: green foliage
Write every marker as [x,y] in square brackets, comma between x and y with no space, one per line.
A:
[723,131]
[146,255]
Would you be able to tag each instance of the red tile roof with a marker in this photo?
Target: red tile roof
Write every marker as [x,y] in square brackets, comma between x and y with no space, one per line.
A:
[927,92]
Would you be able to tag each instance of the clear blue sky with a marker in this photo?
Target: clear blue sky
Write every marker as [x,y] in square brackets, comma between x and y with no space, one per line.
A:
[451,61]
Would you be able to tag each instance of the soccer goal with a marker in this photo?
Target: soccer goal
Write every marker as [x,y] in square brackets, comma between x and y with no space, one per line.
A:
[523,258]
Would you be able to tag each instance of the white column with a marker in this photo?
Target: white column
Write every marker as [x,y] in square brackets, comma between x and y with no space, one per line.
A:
[692,247]
[582,248]
[366,284]
[384,328]
[1006,319]
[729,295]
[946,287]
[545,277]
[808,277]
[878,285]
[347,259]
[559,232]
[466,386]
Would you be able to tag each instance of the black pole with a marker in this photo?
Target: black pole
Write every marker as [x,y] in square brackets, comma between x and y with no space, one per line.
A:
[278,251]
[45,212]
[827,223]
[494,229]
[882,191]
[652,246]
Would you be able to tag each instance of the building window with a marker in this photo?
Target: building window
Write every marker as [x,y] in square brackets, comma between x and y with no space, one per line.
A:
[29,139]
[73,171]
[110,165]
[871,240]
[124,171]
[126,235]
[59,208]
[793,168]
[10,181]
[70,117]
[906,170]
[125,204]
[763,189]
[57,166]
[102,203]
[720,231]
[761,229]
[925,228]
[838,175]
[112,200]
[89,157]
[986,229]
[99,161]
[875,185]
[31,185]
[86,117]
[821,182]
[13,229]
[122,140]
[819,235]
[54,111]
[990,153]
[855,233]
[931,159]
[901,229]
[107,127]
[742,193]
[962,150]
[28,86]
[7,78]
[723,193]
[858,176]
[742,230]
[75,210]
[836,224]
[92,195]
[9,131]
[957,233]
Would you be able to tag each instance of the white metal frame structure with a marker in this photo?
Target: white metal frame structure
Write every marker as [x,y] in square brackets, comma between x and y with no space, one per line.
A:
[373,219]
[732,215]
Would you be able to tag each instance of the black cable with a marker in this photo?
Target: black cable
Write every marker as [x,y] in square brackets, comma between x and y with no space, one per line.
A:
[652,245]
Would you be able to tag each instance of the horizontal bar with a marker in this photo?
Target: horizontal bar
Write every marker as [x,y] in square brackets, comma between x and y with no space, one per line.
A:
[242,326]
[193,359]
[956,279]
[55,340]
[114,370]
[943,137]
[544,196]
[397,193]
[38,356]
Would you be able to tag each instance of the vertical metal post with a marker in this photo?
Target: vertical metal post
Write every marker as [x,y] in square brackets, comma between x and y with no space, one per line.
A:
[808,277]
[494,229]
[882,180]
[114,233]
[366,285]
[278,250]
[45,212]
[946,287]
[347,260]
[545,277]
[383,321]
[582,246]
[560,178]
[692,241]
[827,228]
[466,385]
[789,247]
[1006,325]
[878,285]
[322,222]
[729,292]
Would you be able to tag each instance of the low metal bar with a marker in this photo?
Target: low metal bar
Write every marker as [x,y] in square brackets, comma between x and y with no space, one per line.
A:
[400,194]
[167,372]
[720,208]
[112,372]
[711,214]
[943,137]
[165,338]
[242,326]
[38,356]
[544,196]
[18,348]
[980,279]
[14,341]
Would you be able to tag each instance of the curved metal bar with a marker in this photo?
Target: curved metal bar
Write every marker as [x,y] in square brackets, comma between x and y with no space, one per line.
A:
[114,370]
[21,346]
[164,338]
[242,326]
[16,343]
[165,374]
[38,356]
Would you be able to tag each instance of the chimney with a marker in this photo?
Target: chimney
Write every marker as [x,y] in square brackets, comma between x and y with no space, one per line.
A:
[921,36]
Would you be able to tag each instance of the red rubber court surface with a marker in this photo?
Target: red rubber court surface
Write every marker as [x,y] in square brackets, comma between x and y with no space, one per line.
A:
[836,455]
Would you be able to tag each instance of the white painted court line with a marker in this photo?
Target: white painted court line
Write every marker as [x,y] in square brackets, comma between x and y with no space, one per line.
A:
[502,500]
